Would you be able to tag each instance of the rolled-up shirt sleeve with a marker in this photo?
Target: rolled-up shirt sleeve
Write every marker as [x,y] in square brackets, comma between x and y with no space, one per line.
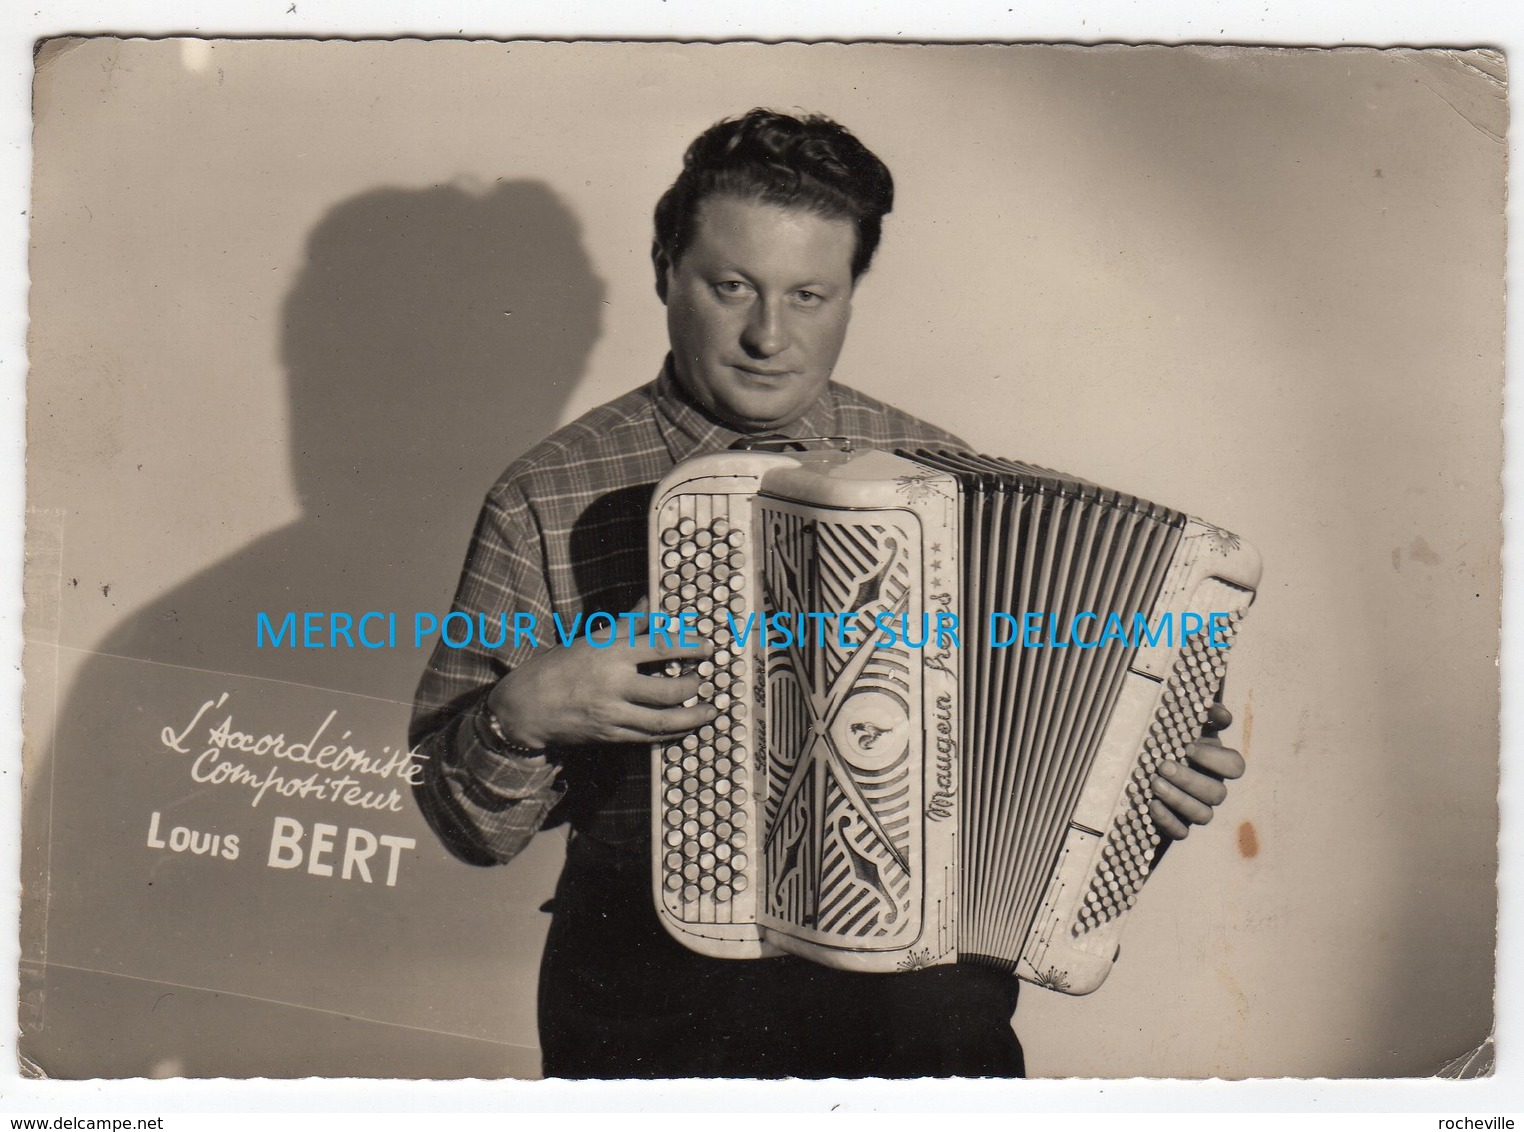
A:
[484,802]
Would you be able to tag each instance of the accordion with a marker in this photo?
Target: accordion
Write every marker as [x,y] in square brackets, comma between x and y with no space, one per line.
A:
[943,682]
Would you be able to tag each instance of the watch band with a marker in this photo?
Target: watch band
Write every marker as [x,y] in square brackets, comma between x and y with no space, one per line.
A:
[490,731]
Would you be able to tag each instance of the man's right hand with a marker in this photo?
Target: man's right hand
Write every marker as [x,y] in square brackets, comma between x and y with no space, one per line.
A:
[583,694]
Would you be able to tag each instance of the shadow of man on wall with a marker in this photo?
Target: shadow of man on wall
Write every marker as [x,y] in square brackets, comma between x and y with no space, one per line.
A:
[431,337]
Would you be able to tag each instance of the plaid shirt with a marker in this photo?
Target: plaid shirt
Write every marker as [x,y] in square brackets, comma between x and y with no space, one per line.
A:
[564,531]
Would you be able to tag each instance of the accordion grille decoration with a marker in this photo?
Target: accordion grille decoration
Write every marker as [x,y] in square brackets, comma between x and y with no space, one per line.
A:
[913,790]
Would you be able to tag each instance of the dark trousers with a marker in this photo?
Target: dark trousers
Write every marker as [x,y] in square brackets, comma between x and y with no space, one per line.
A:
[619,998]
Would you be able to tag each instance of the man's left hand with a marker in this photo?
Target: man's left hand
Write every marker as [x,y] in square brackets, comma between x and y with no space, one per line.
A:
[1186,794]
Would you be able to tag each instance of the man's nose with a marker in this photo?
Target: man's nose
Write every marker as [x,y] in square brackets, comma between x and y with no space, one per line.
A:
[765,333]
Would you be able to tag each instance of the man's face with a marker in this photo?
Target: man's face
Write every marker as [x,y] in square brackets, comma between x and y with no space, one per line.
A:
[757,310]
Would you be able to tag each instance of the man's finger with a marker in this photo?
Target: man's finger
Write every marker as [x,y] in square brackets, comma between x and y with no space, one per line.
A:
[1205,788]
[1185,807]
[1166,822]
[661,650]
[663,691]
[653,725]
[1212,757]
[1218,719]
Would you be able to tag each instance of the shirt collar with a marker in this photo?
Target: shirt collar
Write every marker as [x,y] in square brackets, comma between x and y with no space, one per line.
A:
[688,430]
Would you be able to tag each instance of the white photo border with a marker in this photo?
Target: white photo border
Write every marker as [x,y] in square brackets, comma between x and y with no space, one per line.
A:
[1493,23]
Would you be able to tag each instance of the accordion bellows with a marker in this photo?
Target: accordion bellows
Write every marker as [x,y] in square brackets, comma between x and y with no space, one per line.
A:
[943,684]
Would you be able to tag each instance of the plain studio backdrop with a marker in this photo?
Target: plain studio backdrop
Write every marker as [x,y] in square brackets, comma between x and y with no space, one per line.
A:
[295,305]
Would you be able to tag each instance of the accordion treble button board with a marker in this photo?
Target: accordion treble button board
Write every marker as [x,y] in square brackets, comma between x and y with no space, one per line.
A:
[703,794]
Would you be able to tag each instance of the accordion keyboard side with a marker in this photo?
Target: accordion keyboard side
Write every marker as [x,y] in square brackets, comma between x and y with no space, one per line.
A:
[1162,709]
[705,872]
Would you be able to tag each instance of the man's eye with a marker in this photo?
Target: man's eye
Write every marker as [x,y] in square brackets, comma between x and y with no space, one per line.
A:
[730,287]
[809,298]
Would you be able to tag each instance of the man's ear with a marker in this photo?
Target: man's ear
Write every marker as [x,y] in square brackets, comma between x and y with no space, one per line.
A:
[662,264]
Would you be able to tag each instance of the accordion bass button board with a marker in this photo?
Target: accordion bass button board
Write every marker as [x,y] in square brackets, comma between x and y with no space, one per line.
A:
[942,683]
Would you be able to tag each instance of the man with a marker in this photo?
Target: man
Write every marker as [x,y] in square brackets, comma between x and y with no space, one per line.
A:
[759,246]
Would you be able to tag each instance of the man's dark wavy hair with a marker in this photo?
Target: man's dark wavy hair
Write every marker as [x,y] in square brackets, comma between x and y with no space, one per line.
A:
[808,162]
